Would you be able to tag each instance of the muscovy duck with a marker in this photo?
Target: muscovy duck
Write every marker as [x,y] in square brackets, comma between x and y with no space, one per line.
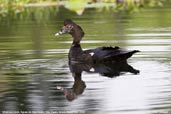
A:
[100,54]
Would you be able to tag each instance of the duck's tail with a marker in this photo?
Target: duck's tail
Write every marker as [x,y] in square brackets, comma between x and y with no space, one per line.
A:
[129,54]
[120,56]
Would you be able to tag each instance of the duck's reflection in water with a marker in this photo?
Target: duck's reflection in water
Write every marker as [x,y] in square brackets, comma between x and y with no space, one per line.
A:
[105,69]
[77,88]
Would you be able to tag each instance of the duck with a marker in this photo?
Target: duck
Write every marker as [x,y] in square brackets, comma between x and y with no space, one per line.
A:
[97,55]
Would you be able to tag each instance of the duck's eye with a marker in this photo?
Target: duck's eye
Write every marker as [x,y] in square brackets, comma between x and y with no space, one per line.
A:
[69,26]
[66,26]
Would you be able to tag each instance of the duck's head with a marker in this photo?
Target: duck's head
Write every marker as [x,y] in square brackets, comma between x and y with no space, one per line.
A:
[72,28]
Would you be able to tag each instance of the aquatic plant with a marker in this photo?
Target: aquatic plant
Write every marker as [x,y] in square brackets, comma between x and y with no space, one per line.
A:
[18,6]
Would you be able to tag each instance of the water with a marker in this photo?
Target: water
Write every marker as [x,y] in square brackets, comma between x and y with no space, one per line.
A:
[34,63]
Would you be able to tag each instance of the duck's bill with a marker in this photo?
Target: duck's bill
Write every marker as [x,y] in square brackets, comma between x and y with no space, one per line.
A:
[59,33]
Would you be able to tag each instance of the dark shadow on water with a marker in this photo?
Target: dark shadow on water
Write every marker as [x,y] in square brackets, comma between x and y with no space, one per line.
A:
[110,70]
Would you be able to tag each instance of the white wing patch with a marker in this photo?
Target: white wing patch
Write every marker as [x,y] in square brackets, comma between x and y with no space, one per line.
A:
[92,69]
[92,53]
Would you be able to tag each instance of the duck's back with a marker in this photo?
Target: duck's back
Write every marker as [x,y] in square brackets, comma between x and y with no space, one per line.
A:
[110,53]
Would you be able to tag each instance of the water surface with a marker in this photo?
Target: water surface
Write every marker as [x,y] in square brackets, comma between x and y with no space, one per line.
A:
[33,63]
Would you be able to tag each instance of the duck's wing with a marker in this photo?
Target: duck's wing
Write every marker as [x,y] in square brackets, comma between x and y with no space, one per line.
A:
[110,53]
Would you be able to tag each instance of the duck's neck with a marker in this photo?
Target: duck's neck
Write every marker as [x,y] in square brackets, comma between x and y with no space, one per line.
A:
[77,35]
[75,46]
[76,40]
[76,43]
[75,51]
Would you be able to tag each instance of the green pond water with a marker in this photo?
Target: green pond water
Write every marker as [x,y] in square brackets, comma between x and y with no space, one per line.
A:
[33,63]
